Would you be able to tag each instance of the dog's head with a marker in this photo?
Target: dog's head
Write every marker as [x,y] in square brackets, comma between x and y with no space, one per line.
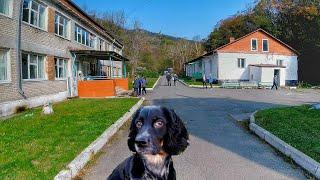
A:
[156,129]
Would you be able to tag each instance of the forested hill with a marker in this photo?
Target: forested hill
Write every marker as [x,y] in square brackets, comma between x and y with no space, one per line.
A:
[149,50]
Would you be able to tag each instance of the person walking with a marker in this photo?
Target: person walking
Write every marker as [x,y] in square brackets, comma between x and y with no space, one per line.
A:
[169,79]
[204,80]
[140,85]
[275,82]
[144,84]
[136,85]
[210,80]
[175,78]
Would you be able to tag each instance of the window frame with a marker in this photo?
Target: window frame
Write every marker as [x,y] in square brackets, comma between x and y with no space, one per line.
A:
[10,9]
[101,44]
[57,68]
[38,16]
[252,39]
[37,67]
[7,63]
[240,64]
[66,27]
[79,30]
[280,64]
[92,40]
[267,45]
[108,46]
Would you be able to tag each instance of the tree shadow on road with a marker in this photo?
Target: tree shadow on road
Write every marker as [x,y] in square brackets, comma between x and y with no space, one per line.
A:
[209,119]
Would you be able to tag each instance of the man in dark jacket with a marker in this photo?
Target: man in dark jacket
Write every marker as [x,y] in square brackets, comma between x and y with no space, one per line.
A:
[168,77]
[275,82]
[136,85]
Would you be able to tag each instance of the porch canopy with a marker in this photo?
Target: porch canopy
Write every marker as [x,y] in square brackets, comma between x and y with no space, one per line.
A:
[102,59]
[100,54]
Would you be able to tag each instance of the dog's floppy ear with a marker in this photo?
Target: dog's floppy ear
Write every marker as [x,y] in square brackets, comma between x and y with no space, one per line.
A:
[133,132]
[176,139]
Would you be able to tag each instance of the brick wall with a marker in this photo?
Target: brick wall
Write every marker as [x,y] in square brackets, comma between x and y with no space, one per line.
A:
[244,45]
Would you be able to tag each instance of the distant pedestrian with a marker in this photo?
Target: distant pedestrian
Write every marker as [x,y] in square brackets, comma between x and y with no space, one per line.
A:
[210,80]
[204,80]
[175,78]
[140,85]
[275,82]
[136,84]
[143,85]
[168,76]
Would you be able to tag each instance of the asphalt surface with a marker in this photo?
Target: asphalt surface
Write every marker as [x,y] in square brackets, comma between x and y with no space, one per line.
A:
[219,147]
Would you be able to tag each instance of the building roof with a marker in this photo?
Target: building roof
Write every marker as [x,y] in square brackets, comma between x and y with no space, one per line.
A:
[101,55]
[75,6]
[236,40]
[267,65]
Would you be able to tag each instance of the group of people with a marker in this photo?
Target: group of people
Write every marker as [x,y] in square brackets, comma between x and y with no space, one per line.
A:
[206,80]
[139,85]
[170,78]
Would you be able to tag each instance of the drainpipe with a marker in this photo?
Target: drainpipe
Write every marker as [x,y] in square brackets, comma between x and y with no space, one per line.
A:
[18,51]
[73,79]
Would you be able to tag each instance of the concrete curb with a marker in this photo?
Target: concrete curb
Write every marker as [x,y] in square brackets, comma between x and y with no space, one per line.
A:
[300,158]
[75,166]
[155,84]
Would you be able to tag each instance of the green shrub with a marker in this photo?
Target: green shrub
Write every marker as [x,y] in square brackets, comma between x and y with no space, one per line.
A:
[304,85]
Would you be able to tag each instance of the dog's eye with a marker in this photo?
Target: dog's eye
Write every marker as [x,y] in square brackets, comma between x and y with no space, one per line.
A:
[158,124]
[139,124]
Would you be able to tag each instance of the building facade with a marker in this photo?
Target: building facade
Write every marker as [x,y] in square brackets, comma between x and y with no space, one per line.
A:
[257,56]
[37,38]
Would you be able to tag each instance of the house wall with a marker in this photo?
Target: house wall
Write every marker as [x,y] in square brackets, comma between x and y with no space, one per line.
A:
[228,65]
[209,65]
[268,73]
[46,43]
[255,73]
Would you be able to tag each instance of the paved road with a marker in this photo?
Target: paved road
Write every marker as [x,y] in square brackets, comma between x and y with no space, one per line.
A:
[219,147]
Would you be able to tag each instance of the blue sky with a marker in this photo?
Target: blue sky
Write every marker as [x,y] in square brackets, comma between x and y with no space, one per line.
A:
[180,18]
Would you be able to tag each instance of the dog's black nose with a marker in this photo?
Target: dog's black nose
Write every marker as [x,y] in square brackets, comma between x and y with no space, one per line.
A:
[142,141]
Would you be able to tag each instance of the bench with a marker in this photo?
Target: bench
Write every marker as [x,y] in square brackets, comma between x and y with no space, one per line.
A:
[248,84]
[231,85]
[265,84]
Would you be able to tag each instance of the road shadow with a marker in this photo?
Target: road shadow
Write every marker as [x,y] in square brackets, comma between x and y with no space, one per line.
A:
[209,119]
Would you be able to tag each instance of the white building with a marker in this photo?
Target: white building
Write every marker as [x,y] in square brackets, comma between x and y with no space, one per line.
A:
[257,56]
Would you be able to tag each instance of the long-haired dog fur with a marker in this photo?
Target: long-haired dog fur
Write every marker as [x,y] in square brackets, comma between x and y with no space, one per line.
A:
[156,134]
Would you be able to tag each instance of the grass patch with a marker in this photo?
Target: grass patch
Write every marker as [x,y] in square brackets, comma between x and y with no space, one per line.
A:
[298,126]
[191,81]
[37,146]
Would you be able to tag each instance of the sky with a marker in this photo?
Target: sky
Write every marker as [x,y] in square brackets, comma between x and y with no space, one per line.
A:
[179,18]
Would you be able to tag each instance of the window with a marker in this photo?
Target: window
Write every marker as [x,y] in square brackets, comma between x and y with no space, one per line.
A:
[265,45]
[32,66]
[241,63]
[61,25]
[84,37]
[280,63]
[60,68]
[101,43]
[34,13]
[5,6]
[92,40]
[108,46]
[3,65]
[254,44]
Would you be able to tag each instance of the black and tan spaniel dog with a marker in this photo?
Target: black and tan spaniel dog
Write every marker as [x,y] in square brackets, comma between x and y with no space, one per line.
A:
[156,134]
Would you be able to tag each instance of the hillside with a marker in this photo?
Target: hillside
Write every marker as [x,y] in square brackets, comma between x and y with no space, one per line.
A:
[149,50]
